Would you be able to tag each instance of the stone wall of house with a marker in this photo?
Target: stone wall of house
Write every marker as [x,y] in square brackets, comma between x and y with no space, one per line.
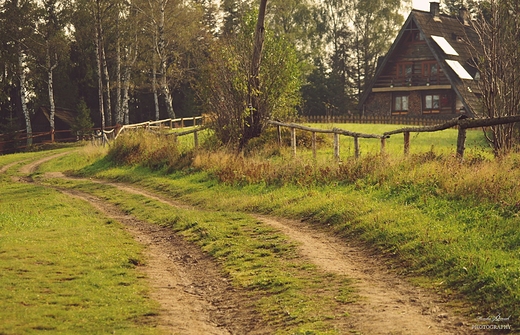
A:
[378,104]
[415,104]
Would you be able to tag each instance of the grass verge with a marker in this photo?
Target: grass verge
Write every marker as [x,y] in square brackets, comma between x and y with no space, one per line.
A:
[64,268]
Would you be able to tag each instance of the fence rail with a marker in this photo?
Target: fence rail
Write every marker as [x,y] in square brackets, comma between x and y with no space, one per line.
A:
[335,131]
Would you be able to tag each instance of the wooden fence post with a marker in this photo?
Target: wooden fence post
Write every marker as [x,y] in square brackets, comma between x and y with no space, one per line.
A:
[461,139]
[279,135]
[171,124]
[383,144]
[293,140]
[196,139]
[356,147]
[314,144]
[406,142]
[336,146]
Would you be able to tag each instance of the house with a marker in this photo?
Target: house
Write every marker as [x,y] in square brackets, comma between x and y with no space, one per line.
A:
[428,71]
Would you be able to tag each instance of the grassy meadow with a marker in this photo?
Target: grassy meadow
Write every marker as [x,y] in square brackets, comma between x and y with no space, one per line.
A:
[451,227]
[64,268]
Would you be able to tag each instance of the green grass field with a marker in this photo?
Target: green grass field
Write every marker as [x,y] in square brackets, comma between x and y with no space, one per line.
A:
[64,268]
[451,227]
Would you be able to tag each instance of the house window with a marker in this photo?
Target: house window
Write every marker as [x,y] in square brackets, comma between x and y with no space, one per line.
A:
[415,36]
[431,101]
[404,70]
[436,103]
[400,105]
[430,72]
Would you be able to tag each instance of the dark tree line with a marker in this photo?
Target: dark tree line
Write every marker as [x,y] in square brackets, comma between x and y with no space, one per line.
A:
[130,61]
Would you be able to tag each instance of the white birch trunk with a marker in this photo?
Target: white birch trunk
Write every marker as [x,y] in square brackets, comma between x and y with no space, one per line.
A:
[162,56]
[107,82]
[23,96]
[99,72]
[126,96]
[119,106]
[155,95]
[50,84]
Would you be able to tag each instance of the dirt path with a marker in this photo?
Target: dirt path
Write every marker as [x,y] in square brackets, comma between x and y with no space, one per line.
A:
[387,304]
[195,297]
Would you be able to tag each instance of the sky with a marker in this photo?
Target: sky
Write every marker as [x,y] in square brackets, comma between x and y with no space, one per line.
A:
[421,4]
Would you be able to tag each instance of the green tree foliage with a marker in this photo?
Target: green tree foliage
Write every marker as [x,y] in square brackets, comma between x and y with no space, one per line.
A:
[376,23]
[82,123]
[223,86]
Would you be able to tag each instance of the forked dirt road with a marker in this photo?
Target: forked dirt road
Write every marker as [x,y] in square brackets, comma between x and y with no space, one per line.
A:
[197,299]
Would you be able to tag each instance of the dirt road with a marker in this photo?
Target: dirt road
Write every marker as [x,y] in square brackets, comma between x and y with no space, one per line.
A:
[197,299]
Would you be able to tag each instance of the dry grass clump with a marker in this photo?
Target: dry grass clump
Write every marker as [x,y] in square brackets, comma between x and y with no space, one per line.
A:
[153,150]
[266,162]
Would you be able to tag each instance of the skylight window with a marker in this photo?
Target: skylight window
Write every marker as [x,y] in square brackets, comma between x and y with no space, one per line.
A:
[459,69]
[444,45]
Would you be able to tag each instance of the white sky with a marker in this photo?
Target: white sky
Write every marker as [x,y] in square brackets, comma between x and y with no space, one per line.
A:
[421,4]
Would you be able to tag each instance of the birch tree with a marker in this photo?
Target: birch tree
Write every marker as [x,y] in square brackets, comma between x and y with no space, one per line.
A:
[50,43]
[20,15]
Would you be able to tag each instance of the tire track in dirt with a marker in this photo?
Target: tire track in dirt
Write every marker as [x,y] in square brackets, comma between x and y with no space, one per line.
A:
[194,296]
[387,304]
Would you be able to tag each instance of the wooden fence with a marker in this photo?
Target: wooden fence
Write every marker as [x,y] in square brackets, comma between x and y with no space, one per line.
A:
[373,119]
[197,122]
[461,123]
[98,136]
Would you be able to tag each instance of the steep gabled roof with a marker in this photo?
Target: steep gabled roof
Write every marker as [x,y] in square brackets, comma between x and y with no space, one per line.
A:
[436,30]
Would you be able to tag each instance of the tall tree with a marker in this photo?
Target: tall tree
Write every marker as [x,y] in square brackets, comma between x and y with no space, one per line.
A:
[20,18]
[376,24]
[224,84]
[498,28]
[49,46]
[253,122]
[335,18]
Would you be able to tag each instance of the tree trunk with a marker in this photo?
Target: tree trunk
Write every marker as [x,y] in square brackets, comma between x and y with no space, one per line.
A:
[50,82]
[107,81]
[119,106]
[23,96]
[126,97]
[99,70]
[253,122]
[154,88]
[162,56]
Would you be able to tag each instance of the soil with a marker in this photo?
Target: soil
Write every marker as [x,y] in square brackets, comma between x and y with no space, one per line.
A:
[197,298]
